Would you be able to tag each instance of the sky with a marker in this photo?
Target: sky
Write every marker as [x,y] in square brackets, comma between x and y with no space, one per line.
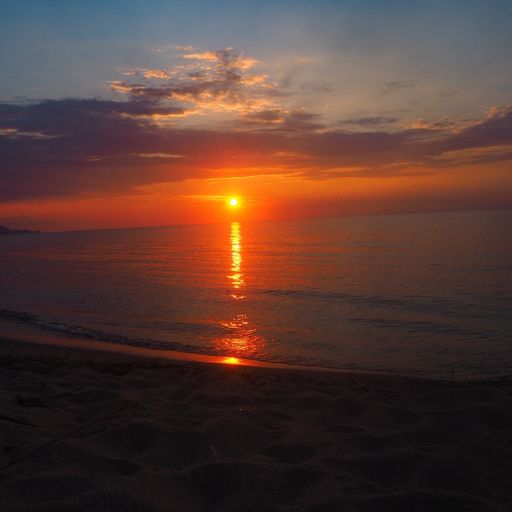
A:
[138,113]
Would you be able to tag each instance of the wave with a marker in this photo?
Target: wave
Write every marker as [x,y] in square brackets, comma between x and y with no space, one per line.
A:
[492,309]
[38,322]
[421,327]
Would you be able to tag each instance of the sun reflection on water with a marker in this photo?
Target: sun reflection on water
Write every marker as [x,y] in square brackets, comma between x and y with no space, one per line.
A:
[236,277]
[241,339]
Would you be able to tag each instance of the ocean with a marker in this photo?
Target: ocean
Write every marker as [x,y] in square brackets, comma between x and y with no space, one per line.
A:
[427,294]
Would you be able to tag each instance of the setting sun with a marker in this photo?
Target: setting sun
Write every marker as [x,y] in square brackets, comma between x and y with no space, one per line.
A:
[231,360]
[234,202]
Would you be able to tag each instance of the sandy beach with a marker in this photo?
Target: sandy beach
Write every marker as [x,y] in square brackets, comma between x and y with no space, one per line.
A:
[85,430]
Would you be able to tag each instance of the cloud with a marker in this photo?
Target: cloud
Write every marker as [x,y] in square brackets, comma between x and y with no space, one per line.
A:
[227,58]
[158,155]
[207,81]
[94,147]
[371,122]
[104,147]
[452,123]
[212,56]
[471,156]
[265,116]
[87,146]
[285,120]
[448,93]
[14,133]
[494,130]
[399,84]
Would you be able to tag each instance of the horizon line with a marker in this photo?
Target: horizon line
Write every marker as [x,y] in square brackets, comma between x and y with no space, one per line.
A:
[281,219]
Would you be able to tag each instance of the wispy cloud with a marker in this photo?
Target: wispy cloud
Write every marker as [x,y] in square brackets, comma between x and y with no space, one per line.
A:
[15,133]
[284,120]
[158,155]
[95,146]
[399,84]
[372,122]
[220,81]
[102,147]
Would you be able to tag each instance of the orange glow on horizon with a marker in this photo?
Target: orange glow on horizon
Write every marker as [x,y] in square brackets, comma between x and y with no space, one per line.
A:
[268,198]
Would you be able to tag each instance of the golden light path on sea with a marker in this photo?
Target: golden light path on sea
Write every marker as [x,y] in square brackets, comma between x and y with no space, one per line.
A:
[241,339]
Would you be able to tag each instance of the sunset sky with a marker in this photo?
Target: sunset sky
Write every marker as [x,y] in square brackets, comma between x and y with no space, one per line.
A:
[133,113]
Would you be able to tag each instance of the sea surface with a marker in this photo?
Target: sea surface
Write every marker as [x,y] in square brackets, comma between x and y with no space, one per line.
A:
[426,294]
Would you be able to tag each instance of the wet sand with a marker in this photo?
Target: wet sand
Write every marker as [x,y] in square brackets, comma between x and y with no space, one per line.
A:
[87,430]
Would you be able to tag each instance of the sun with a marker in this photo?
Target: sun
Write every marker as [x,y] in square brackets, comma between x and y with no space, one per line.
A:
[231,360]
[234,202]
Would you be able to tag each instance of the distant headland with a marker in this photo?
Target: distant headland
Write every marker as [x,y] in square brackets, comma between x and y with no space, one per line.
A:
[7,231]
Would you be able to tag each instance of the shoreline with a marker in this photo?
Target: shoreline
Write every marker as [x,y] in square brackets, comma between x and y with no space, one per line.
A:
[30,340]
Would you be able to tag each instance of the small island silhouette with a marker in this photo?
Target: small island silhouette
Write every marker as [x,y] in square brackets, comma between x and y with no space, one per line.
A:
[6,231]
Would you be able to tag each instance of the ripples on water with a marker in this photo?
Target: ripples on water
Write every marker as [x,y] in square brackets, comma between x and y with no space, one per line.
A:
[417,293]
